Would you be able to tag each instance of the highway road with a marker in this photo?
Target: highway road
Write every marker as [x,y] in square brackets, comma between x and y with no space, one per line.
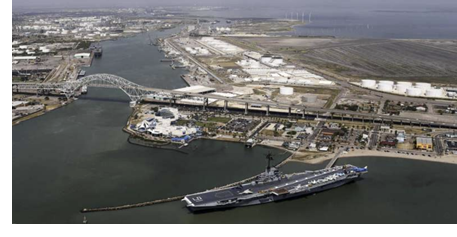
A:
[173,95]
[374,137]
[170,43]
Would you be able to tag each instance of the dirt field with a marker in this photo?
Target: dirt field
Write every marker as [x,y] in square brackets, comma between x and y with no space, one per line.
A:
[262,26]
[410,60]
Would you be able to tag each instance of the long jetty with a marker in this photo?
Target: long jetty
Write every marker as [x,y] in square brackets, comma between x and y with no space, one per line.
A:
[334,159]
[170,199]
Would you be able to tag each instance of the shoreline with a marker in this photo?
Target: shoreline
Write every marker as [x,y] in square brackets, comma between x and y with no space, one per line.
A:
[295,155]
[448,159]
[45,111]
[38,114]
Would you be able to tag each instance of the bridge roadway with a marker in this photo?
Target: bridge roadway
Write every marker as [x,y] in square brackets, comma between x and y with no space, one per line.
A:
[173,96]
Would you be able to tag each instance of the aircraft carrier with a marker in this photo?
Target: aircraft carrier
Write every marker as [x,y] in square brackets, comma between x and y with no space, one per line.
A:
[272,186]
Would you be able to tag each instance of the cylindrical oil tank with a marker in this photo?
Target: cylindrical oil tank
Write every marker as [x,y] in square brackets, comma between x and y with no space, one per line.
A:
[433,92]
[368,83]
[286,90]
[414,91]
[423,85]
[386,83]
[405,83]
[385,87]
[402,88]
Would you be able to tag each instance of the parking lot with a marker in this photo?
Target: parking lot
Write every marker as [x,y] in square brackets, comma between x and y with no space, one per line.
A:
[241,125]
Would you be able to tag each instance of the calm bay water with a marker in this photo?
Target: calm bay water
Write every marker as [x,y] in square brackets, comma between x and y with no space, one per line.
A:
[78,156]
[344,20]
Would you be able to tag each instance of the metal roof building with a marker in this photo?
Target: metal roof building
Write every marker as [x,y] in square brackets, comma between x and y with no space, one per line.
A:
[424,143]
[197,89]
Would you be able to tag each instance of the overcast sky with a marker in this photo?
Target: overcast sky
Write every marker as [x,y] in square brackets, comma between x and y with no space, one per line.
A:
[368,4]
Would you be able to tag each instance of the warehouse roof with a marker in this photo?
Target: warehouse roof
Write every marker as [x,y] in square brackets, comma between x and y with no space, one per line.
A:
[197,89]
[424,140]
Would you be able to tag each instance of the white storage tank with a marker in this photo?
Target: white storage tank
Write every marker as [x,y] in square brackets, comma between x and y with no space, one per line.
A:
[385,87]
[414,91]
[286,90]
[391,83]
[402,88]
[433,92]
[423,85]
[405,83]
[368,83]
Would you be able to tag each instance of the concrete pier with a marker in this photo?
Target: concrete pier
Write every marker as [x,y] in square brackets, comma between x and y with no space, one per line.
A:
[171,199]
[335,158]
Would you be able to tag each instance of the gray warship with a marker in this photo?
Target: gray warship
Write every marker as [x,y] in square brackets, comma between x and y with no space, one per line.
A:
[273,186]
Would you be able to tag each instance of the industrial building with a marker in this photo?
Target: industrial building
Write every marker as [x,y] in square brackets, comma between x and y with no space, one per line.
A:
[220,46]
[451,146]
[82,55]
[197,89]
[272,60]
[424,143]
[19,103]
[271,69]
[401,136]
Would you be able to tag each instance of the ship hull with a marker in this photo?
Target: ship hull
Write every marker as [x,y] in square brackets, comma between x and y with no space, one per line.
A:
[272,198]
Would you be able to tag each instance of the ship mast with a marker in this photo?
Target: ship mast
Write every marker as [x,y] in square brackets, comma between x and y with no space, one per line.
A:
[269,158]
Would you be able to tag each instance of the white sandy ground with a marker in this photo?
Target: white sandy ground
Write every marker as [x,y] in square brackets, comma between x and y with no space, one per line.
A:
[450,159]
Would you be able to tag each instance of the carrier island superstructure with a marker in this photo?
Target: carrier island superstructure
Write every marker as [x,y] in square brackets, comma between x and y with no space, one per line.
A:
[272,185]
